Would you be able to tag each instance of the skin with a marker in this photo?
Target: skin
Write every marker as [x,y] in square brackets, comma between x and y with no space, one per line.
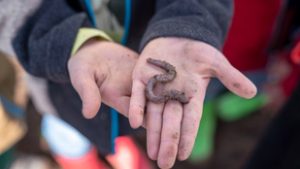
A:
[163,78]
[100,72]
[171,126]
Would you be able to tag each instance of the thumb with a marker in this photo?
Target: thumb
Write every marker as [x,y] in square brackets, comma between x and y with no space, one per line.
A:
[88,90]
[235,81]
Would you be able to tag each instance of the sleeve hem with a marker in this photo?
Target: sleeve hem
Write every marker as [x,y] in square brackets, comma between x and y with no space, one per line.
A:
[181,29]
[84,34]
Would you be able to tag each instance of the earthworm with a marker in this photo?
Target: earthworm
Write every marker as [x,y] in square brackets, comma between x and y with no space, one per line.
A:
[163,78]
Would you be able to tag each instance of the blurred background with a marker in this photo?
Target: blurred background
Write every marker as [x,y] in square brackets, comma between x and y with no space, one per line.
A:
[230,128]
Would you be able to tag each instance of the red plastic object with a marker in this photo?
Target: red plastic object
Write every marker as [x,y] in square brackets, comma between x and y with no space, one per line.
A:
[296,54]
[128,155]
[89,161]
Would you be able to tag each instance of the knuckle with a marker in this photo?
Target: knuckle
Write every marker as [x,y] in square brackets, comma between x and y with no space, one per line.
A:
[190,128]
[153,131]
[189,133]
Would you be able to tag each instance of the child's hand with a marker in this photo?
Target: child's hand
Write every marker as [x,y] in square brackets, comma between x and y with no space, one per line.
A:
[101,71]
[172,126]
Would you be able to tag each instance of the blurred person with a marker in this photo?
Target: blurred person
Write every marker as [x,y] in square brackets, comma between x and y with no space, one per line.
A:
[12,125]
[279,147]
[13,88]
[12,16]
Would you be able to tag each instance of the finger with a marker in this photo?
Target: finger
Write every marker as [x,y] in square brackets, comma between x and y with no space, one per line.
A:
[87,89]
[168,149]
[153,126]
[235,81]
[137,104]
[192,113]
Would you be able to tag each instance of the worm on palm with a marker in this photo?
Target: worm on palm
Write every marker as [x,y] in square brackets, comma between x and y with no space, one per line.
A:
[163,78]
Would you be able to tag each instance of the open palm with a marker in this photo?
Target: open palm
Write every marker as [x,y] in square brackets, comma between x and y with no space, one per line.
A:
[172,126]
